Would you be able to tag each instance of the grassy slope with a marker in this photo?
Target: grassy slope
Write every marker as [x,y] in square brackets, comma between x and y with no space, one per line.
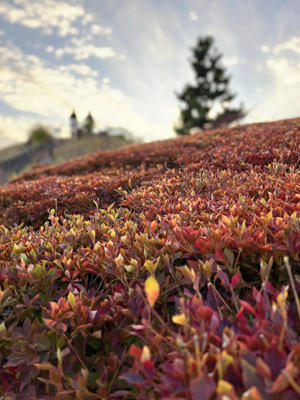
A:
[77,148]
[178,289]
[66,150]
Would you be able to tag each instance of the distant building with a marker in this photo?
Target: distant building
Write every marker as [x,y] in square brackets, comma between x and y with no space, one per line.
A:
[74,125]
[120,132]
[87,129]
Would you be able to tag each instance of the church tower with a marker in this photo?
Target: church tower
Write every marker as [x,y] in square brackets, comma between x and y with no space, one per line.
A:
[74,125]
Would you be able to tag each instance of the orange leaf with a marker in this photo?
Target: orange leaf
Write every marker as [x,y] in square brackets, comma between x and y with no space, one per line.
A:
[135,351]
[152,290]
[153,225]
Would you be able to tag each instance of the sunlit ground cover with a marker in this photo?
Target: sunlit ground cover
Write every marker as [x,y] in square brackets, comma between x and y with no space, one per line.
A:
[167,270]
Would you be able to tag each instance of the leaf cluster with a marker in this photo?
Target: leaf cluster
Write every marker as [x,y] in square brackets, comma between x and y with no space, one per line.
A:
[156,272]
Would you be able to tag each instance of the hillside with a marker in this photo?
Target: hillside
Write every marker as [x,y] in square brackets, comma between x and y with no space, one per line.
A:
[167,270]
[20,158]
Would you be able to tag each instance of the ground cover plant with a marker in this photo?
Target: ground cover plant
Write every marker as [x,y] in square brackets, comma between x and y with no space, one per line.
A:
[167,270]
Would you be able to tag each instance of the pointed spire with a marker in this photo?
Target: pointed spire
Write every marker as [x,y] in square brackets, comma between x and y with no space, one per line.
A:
[73,115]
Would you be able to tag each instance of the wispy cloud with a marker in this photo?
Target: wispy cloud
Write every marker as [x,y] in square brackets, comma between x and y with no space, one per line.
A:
[48,15]
[265,49]
[86,51]
[31,86]
[193,16]
[97,29]
[230,61]
[64,18]
[14,129]
[292,44]
[280,98]
[124,60]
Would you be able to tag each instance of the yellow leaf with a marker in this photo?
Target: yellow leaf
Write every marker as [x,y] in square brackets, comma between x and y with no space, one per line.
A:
[71,299]
[92,235]
[281,297]
[150,266]
[146,355]
[180,319]
[119,261]
[2,330]
[224,388]
[152,290]
[252,394]
[189,273]
[226,220]
[227,359]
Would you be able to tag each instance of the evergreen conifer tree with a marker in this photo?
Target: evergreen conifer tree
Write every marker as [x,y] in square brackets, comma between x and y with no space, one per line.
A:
[210,88]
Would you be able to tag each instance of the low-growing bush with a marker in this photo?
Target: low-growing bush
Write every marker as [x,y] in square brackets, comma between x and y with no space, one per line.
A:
[162,271]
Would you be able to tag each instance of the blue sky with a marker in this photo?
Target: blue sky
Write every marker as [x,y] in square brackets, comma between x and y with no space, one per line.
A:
[123,60]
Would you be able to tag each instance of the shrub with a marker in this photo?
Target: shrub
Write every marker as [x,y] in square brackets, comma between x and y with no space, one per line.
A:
[156,272]
[39,135]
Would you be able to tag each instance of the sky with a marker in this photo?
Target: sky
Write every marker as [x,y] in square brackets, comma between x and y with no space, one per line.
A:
[125,60]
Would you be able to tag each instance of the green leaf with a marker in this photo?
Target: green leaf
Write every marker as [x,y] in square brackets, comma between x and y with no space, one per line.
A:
[229,255]
[24,258]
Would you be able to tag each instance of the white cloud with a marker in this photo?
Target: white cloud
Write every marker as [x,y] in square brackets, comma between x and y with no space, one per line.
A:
[47,94]
[87,19]
[81,69]
[265,49]
[81,49]
[14,129]
[100,30]
[230,61]
[48,15]
[293,44]
[193,16]
[52,16]
[280,99]
[86,51]
[285,72]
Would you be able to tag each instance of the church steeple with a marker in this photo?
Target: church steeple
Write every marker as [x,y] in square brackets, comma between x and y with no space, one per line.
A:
[74,125]
[73,115]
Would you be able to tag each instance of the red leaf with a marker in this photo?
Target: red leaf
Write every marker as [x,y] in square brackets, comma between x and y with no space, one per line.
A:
[205,312]
[235,279]
[248,307]
[202,388]
[220,255]
[149,369]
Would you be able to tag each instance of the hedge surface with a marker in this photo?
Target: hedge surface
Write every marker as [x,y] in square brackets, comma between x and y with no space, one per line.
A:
[167,270]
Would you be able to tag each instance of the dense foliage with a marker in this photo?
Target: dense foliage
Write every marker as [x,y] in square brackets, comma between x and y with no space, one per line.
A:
[210,89]
[167,270]
[39,135]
